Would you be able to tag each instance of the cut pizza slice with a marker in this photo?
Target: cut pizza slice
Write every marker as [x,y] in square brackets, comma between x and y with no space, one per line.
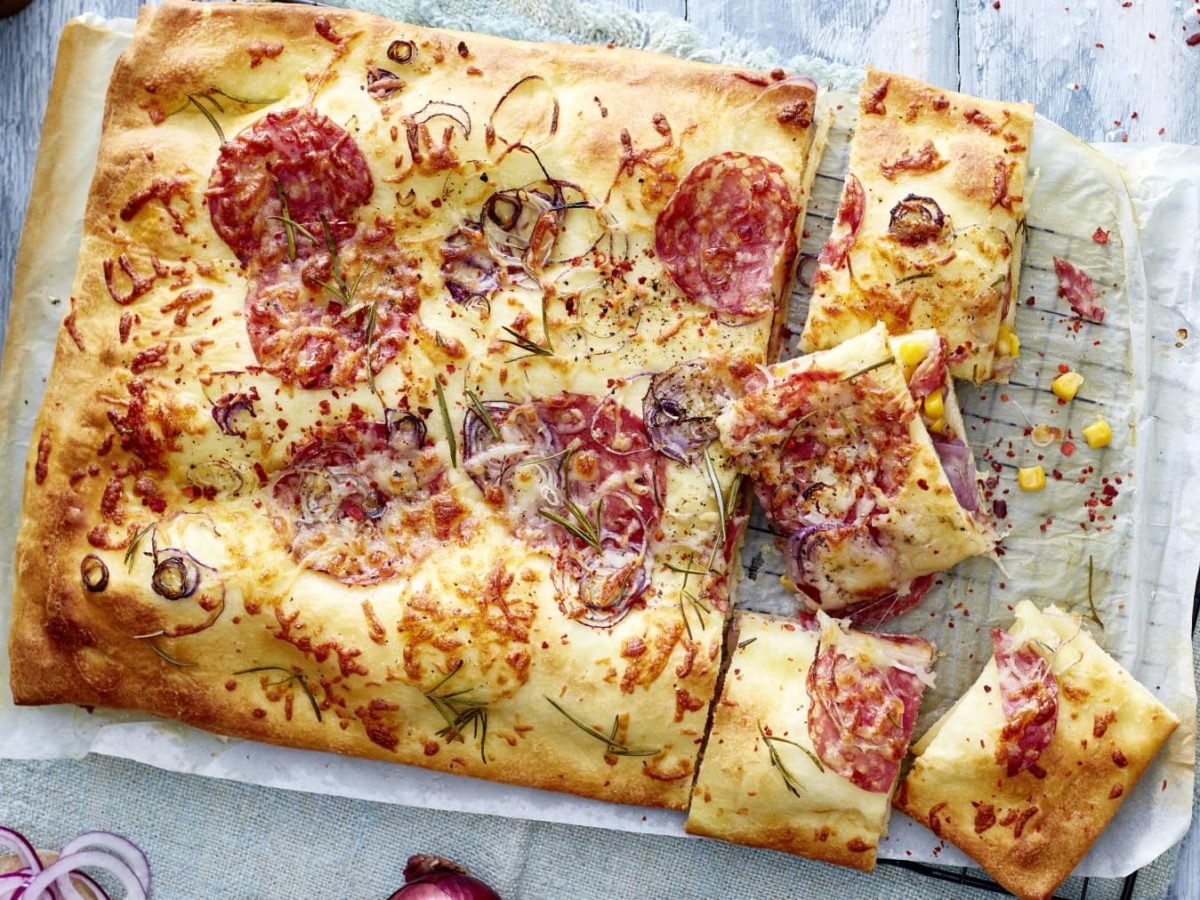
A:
[930,227]
[859,459]
[807,737]
[1028,767]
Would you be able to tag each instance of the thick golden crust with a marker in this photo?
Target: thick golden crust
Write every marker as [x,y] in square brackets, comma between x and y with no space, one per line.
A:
[157,333]
[1030,832]
[970,158]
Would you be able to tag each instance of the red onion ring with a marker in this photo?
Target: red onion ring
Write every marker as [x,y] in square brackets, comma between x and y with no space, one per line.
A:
[40,887]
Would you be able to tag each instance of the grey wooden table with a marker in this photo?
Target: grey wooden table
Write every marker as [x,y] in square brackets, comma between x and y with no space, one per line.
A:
[1104,69]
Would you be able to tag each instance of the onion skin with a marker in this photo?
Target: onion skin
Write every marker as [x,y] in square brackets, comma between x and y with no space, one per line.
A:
[434,878]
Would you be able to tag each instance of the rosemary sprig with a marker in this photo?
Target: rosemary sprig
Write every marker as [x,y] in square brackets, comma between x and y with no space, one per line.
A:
[742,645]
[683,570]
[521,342]
[718,494]
[295,227]
[289,227]
[790,781]
[292,676]
[209,96]
[458,712]
[546,323]
[582,528]
[133,545]
[865,369]
[1095,616]
[168,657]
[611,746]
[450,439]
[914,277]
[369,337]
[484,416]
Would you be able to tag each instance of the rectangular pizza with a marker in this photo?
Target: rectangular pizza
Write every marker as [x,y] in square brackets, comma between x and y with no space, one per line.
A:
[1031,764]
[808,733]
[859,457]
[930,228]
[363,430]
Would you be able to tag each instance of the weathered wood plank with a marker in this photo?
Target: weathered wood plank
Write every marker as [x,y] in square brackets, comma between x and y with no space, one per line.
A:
[917,37]
[1090,67]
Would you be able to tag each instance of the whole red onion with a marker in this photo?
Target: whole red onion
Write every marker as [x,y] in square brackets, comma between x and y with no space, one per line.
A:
[434,878]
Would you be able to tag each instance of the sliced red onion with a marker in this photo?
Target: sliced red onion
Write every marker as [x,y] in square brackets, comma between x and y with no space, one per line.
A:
[176,574]
[40,888]
[405,431]
[959,465]
[217,475]
[440,109]
[468,270]
[797,551]
[231,408]
[21,847]
[680,406]
[916,220]
[521,225]
[489,461]
[434,878]
[122,848]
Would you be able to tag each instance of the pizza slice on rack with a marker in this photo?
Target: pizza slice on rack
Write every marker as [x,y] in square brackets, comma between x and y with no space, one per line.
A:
[859,458]
[930,227]
[807,736]
[1027,768]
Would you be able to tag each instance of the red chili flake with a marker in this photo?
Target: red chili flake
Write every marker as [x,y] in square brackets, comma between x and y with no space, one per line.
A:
[1000,509]
[1193,39]
[1067,448]
[996,5]
[1099,46]
[1152,37]
[1063,368]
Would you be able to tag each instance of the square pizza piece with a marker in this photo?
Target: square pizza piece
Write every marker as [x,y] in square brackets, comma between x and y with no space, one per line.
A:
[807,737]
[342,446]
[857,454]
[931,224]
[1028,767]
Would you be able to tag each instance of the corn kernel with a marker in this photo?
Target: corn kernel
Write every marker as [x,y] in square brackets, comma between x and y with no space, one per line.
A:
[938,427]
[935,408]
[912,352]
[1032,478]
[1009,340]
[1066,385]
[1098,434]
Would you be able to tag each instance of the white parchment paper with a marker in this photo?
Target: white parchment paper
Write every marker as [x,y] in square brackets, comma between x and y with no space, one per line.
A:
[1141,536]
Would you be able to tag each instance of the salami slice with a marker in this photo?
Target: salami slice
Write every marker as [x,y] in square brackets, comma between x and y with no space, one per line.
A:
[298,157]
[849,217]
[311,327]
[865,691]
[724,233]
[350,499]
[1029,694]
